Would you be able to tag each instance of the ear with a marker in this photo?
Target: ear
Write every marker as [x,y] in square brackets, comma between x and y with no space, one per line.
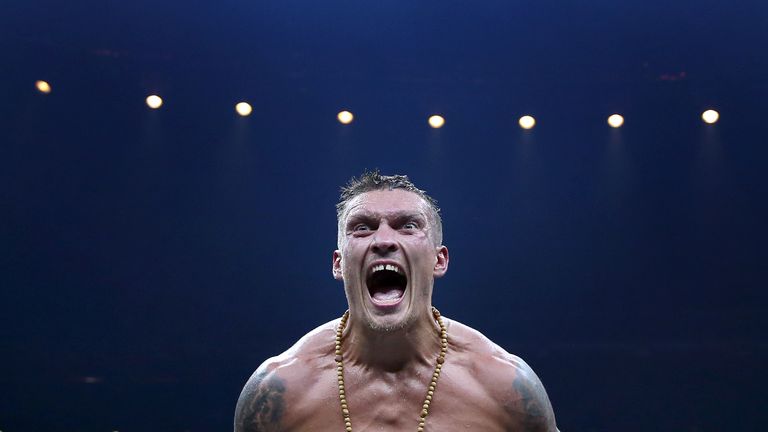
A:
[441,266]
[336,266]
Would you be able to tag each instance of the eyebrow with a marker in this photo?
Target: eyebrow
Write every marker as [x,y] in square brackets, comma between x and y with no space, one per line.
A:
[365,214]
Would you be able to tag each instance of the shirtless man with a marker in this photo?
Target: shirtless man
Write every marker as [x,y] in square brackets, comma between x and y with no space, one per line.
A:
[388,367]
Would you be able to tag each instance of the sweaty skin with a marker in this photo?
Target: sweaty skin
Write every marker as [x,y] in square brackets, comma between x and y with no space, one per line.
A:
[390,350]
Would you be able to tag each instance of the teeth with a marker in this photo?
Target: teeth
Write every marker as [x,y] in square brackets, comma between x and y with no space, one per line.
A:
[389,267]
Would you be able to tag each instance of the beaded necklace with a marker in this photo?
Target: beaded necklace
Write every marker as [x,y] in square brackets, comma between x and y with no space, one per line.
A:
[432,383]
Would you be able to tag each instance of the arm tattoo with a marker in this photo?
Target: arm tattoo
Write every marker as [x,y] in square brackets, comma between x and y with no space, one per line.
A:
[261,405]
[531,406]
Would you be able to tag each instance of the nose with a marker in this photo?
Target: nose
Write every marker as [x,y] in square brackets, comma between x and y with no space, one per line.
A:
[384,241]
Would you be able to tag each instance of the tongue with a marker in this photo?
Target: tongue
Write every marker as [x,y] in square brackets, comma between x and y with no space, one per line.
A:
[387,293]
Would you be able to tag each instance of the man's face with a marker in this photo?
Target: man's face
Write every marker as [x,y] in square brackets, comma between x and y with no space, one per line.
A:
[387,258]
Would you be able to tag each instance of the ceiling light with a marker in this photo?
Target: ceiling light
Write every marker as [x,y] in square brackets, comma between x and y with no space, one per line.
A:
[244,109]
[154,101]
[436,121]
[710,116]
[615,121]
[527,122]
[43,87]
[345,117]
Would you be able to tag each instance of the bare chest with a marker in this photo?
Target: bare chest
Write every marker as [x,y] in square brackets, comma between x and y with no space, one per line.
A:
[383,405]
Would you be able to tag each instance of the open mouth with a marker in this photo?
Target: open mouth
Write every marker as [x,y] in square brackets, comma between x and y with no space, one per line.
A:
[386,284]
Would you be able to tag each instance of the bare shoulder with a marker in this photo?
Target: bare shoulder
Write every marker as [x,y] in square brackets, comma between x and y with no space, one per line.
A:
[272,396]
[506,377]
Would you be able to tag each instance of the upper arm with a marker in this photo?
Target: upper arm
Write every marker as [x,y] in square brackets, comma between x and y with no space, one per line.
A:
[261,405]
[527,402]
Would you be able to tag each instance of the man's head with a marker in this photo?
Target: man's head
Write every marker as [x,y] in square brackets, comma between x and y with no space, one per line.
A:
[389,250]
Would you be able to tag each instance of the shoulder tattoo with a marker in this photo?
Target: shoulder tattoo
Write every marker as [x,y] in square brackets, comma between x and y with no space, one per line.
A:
[530,406]
[261,405]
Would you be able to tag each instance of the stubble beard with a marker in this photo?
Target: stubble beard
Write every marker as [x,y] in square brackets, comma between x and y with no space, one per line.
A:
[383,328]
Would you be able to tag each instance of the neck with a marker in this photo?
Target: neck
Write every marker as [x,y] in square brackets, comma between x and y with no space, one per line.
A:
[392,350]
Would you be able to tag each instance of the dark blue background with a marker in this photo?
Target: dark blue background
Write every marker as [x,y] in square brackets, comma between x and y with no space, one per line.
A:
[150,260]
